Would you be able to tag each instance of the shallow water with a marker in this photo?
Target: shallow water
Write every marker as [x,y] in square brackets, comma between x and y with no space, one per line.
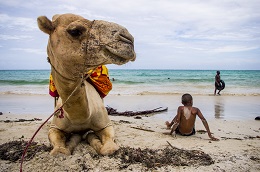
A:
[143,82]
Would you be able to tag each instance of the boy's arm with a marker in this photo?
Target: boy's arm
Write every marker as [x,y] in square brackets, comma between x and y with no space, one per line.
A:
[175,125]
[176,120]
[205,123]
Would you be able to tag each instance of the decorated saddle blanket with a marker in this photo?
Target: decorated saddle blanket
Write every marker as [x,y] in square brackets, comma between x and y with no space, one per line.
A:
[99,79]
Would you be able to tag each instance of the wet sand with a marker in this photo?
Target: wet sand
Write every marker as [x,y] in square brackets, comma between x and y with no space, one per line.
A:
[215,107]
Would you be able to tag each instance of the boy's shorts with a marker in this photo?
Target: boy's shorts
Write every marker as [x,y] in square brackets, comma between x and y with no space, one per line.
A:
[177,131]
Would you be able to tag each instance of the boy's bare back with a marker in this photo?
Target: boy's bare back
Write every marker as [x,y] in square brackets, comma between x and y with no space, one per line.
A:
[187,119]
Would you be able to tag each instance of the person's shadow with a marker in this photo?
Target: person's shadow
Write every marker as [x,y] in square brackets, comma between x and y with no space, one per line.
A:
[219,108]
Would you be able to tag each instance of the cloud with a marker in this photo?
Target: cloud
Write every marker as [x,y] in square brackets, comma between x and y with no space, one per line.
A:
[234,48]
[14,37]
[17,23]
[27,50]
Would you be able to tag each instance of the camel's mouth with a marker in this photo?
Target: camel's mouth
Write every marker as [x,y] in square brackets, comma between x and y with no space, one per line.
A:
[122,51]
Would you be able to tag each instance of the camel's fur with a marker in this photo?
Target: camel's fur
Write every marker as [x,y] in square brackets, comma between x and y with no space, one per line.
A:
[77,45]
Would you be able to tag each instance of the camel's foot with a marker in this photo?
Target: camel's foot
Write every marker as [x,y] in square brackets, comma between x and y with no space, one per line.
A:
[109,148]
[59,149]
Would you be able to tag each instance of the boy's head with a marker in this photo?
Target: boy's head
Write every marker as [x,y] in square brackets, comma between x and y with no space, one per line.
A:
[218,72]
[186,99]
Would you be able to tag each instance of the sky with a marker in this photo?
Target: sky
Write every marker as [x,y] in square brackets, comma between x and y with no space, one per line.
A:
[169,34]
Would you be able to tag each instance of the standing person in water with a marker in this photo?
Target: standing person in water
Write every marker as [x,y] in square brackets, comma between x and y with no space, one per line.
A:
[183,123]
[217,83]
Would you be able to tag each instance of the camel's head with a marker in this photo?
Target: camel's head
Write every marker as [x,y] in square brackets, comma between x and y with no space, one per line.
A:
[77,43]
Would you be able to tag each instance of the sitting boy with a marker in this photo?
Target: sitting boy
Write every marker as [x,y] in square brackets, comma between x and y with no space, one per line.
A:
[183,123]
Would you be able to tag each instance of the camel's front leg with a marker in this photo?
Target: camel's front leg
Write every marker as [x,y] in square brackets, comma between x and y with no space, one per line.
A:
[58,141]
[103,141]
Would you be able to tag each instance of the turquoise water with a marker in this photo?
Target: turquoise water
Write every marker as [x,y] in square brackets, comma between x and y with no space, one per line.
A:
[143,82]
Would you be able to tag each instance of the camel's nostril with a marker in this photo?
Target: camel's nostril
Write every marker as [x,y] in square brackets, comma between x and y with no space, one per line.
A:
[126,38]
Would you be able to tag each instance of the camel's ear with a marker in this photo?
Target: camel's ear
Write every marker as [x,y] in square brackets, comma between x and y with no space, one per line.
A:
[45,24]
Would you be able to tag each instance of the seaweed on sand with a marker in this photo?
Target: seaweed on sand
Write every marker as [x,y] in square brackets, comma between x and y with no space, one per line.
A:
[13,150]
[152,158]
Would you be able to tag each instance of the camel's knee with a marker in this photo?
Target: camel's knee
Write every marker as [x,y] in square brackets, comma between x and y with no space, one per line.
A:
[56,136]
[58,141]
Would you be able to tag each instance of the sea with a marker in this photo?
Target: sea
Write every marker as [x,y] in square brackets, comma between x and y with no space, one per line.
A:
[143,82]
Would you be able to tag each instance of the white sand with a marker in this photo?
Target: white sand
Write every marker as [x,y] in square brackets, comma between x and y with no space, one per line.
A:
[237,150]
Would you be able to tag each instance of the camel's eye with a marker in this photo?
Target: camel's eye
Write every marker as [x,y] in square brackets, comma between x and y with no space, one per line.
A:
[76,31]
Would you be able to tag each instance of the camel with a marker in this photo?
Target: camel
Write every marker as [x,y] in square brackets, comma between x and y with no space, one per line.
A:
[77,45]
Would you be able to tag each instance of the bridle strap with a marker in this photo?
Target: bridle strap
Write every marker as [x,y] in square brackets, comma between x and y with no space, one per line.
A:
[56,71]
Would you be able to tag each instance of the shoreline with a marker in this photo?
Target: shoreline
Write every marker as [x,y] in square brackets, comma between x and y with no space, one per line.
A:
[142,93]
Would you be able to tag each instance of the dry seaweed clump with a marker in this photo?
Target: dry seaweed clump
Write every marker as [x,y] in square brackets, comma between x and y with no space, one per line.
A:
[149,158]
[12,151]
[162,157]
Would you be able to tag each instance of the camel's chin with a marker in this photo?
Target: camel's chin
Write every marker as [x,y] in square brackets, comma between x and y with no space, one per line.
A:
[115,59]
[109,58]
[119,57]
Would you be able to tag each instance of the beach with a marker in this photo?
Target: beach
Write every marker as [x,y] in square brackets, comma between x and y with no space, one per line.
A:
[230,118]
[61,61]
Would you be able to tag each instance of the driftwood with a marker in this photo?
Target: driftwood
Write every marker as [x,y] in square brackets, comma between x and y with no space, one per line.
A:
[246,137]
[170,144]
[21,120]
[113,112]
[143,129]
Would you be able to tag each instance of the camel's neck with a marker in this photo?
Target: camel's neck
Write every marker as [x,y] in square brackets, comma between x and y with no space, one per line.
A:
[73,93]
